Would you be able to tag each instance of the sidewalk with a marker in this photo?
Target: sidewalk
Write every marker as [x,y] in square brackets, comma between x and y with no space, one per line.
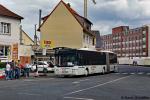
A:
[32,76]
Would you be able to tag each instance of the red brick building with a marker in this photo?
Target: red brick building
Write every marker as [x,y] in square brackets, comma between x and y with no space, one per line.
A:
[128,42]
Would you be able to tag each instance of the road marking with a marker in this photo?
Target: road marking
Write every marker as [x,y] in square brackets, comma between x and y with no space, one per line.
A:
[76,82]
[148,73]
[78,98]
[132,73]
[124,73]
[98,85]
[140,73]
[29,94]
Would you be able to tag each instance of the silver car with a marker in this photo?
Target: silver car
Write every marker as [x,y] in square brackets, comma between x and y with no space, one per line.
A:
[43,66]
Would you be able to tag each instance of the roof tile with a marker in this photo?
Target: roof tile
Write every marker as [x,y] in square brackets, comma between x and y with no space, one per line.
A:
[6,12]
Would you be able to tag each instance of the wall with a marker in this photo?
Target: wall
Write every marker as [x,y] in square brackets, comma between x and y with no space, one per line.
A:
[26,40]
[148,40]
[62,29]
[15,30]
[13,38]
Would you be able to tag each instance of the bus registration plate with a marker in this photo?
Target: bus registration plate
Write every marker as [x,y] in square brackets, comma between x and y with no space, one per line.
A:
[64,70]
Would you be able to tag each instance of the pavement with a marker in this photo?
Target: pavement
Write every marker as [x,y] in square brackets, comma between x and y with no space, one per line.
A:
[127,84]
[32,75]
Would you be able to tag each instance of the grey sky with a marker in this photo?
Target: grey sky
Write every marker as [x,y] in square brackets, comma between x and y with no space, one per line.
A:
[105,15]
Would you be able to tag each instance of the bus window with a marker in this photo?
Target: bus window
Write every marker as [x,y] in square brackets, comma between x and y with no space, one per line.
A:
[66,60]
[112,58]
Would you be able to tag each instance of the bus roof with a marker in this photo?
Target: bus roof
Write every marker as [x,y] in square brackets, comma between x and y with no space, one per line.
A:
[82,49]
[88,49]
[106,51]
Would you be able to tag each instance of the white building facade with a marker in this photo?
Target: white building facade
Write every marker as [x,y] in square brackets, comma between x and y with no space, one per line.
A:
[9,33]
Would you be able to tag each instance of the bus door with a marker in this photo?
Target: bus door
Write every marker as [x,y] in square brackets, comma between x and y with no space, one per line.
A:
[107,62]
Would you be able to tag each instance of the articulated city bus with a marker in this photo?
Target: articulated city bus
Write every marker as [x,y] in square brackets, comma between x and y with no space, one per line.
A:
[84,62]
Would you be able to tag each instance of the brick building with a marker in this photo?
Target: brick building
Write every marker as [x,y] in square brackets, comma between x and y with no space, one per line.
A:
[128,42]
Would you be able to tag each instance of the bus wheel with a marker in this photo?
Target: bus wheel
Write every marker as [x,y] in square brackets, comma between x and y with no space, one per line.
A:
[103,71]
[86,72]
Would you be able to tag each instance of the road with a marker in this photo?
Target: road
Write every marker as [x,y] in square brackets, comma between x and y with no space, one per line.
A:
[129,83]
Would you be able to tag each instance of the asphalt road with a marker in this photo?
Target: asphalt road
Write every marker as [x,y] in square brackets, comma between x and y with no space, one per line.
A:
[130,83]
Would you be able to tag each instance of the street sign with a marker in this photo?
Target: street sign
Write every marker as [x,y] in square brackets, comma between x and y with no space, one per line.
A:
[46,44]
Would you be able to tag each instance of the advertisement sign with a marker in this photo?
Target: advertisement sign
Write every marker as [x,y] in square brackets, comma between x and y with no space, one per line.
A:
[15,52]
[47,44]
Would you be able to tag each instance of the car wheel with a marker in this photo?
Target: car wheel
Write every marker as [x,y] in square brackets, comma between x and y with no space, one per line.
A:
[45,70]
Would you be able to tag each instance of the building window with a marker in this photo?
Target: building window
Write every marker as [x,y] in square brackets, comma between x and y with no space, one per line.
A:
[93,41]
[4,50]
[5,28]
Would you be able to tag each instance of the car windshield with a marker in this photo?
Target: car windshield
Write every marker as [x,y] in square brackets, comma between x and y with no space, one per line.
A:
[66,60]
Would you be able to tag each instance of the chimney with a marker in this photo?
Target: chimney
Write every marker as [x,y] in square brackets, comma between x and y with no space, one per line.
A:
[68,4]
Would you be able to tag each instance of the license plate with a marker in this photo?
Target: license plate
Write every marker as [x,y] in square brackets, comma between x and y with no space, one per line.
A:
[64,70]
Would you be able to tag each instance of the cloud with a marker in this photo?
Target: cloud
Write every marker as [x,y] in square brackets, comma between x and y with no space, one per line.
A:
[105,15]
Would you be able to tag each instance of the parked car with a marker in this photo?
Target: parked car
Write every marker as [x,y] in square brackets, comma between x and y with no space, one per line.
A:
[43,66]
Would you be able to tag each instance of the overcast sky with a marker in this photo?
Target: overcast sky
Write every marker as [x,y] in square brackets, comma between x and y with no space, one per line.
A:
[105,15]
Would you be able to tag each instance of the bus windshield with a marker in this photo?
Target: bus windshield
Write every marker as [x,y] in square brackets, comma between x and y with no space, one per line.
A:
[66,60]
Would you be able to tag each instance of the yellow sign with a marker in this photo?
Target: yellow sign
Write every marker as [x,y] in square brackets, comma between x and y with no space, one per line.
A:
[47,44]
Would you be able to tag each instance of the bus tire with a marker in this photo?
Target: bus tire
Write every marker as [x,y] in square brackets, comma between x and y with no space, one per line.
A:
[86,72]
[103,71]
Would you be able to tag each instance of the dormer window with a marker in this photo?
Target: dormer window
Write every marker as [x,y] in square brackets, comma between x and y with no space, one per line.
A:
[5,28]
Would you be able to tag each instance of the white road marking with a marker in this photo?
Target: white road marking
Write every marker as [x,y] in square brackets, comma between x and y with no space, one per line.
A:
[98,85]
[140,73]
[78,98]
[132,73]
[117,73]
[124,73]
[29,94]
[76,82]
[148,73]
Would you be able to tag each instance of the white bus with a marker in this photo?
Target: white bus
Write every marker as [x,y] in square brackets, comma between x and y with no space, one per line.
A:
[83,62]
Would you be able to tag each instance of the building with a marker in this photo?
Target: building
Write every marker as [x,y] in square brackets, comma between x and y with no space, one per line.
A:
[107,42]
[99,43]
[128,42]
[25,48]
[64,27]
[13,40]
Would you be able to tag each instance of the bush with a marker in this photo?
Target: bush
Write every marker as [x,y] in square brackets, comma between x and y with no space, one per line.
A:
[2,65]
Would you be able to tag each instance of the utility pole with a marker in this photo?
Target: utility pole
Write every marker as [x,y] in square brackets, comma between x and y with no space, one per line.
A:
[40,16]
[85,7]
[35,37]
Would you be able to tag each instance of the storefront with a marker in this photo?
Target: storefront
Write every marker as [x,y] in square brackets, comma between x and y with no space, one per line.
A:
[4,52]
